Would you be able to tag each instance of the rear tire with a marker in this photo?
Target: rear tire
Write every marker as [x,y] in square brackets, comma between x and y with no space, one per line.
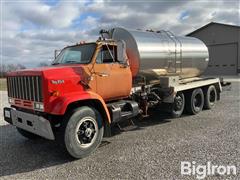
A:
[178,105]
[210,97]
[82,131]
[27,134]
[195,101]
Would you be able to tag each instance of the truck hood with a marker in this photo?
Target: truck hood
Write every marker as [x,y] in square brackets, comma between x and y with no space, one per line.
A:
[51,71]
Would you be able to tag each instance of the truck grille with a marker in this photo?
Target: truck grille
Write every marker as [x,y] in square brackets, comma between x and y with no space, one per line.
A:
[25,87]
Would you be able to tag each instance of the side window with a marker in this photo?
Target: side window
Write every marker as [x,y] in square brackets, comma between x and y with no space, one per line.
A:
[106,56]
[99,57]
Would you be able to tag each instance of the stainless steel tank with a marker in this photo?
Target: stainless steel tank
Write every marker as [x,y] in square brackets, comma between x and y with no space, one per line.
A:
[163,53]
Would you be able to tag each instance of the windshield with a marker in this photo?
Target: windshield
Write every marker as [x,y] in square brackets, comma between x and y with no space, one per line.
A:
[81,54]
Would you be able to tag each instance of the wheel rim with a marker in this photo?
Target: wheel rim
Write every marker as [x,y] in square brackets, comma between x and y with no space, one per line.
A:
[86,132]
[197,101]
[178,103]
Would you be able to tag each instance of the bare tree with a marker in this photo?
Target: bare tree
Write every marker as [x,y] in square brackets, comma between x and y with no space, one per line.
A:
[4,68]
[20,66]
[43,64]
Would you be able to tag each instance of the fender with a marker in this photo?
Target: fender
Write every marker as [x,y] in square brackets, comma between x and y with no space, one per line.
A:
[60,104]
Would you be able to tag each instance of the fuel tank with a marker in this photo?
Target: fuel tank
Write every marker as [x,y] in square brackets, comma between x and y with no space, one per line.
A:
[163,53]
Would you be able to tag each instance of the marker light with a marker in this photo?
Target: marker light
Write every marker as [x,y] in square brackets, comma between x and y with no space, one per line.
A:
[10,100]
[38,106]
[55,93]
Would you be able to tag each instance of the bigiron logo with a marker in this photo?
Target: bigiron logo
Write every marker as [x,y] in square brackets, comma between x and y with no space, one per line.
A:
[201,171]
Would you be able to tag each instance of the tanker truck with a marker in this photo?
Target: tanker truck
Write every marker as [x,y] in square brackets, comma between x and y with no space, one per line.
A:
[92,86]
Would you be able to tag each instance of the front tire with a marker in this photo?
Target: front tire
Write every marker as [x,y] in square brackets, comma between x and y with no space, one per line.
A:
[83,132]
[27,134]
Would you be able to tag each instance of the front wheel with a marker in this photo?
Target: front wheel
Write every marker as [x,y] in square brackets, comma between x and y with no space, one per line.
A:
[83,132]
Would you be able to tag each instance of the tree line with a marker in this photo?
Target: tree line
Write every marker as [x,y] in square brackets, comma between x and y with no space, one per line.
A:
[5,68]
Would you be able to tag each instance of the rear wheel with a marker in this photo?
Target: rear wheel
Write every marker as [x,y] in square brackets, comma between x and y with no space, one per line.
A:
[82,132]
[195,101]
[178,105]
[27,134]
[210,97]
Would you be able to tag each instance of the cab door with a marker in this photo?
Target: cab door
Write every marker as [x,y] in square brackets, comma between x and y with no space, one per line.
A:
[113,79]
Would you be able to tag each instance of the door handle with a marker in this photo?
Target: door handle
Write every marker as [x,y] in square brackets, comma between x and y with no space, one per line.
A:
[102,74]
[124,65]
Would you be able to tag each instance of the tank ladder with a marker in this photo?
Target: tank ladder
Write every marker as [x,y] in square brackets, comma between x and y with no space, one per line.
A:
[177,53]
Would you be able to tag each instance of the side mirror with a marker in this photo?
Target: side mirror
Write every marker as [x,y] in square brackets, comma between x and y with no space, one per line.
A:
[56,53]
[121,51]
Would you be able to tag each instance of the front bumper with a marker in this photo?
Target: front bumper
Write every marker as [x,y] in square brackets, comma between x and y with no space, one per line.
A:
[29,122]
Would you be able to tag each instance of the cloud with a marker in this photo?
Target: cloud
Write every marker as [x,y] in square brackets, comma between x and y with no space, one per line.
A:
[184,15]
[165,14]
[90,22]
[43,15]
[32,30]
[52,35]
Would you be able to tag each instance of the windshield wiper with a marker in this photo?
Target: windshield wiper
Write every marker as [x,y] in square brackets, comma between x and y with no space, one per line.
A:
[55,63]
[71,62]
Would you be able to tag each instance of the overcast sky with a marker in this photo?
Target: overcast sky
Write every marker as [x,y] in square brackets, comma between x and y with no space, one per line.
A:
[32,30]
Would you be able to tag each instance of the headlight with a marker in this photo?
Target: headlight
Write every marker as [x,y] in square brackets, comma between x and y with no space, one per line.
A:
[38,106]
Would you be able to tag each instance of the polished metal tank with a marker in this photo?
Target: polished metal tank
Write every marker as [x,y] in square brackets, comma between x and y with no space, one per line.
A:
[162,53]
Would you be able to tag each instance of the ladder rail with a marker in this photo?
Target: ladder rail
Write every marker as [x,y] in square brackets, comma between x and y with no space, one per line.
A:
[165,38]
[175,43]
[180,43]
[175,40]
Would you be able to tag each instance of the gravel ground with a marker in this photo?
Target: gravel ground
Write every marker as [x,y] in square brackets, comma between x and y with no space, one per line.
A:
[153,150]
[3,103]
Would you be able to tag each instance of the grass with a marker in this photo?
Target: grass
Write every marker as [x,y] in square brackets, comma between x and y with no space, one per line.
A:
[3,84]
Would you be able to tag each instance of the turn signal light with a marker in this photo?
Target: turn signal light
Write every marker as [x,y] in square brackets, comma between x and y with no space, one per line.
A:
[38,106]
[10,100]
